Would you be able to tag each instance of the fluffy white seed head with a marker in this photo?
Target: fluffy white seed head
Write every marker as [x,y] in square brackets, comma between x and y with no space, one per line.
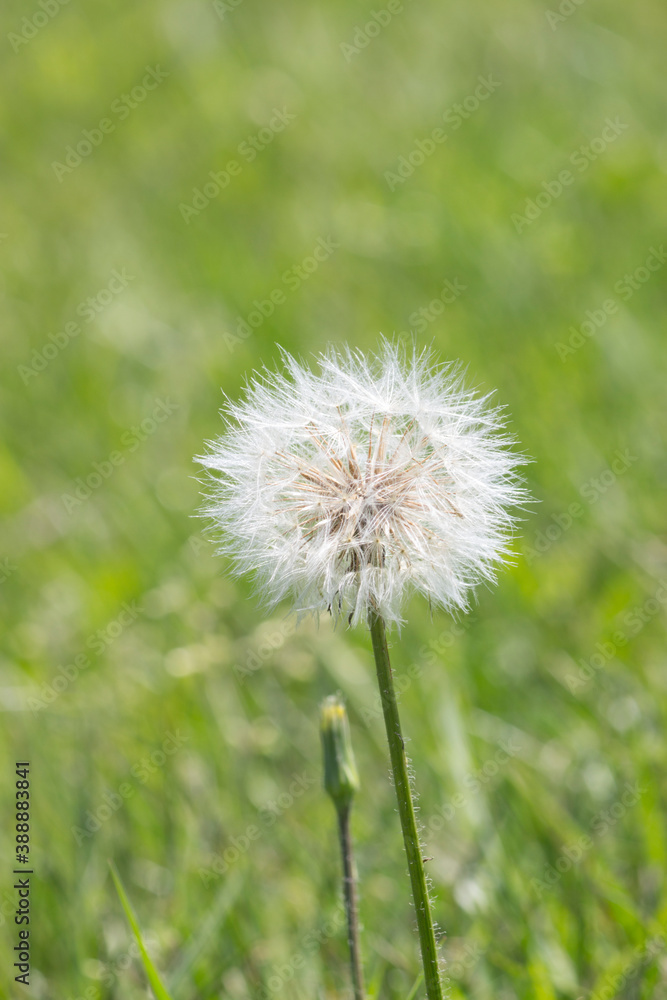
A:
[351,486]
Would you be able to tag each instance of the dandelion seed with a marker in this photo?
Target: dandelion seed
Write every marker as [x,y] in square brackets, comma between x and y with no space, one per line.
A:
[351,486]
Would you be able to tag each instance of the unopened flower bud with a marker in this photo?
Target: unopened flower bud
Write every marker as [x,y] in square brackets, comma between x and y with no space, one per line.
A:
[341,780]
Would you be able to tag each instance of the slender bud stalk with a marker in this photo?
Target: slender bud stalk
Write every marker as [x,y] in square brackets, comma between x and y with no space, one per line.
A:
[341,781]
[351,904]
[406,809]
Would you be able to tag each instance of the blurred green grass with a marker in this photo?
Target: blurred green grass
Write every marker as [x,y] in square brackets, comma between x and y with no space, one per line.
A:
[520,669]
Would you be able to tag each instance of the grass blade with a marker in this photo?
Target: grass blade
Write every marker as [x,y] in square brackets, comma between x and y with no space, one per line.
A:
[202,936]
[413,992]
[151,972]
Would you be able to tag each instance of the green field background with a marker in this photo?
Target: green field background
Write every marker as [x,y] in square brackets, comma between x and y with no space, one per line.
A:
[512,151]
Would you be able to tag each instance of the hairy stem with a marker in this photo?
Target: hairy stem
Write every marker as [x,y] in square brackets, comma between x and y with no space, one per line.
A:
[406,809]
[350,894]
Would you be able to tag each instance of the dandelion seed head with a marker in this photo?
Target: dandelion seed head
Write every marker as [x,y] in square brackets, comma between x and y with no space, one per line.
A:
[353,485]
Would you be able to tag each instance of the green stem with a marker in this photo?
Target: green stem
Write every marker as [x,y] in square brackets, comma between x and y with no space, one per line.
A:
[406,809]
[350,894]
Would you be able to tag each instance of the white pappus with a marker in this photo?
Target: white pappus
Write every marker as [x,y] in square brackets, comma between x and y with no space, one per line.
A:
[350,486]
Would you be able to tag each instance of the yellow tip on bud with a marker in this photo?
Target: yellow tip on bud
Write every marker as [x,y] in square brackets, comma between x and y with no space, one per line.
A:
[341,780]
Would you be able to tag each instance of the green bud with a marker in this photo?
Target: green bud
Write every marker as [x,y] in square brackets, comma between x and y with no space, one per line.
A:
[341,780]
